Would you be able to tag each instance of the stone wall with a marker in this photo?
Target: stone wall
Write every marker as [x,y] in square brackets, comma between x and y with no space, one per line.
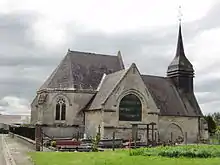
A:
[182,124]
[75,102]
[126,133]
[62,132]
[92,121]
[34,112]
[132,83]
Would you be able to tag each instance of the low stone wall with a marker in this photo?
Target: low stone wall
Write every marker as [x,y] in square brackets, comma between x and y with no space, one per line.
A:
[26,141]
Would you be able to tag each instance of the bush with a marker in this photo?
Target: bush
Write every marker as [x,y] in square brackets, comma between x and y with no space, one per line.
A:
[95,142]
[53,143]
[191,151]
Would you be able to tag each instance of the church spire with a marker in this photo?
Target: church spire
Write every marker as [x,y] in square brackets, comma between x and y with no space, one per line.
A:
[180,47]
[180,62]
[180,70]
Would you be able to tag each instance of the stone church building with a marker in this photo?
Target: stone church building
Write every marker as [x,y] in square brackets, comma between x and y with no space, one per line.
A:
[88,91]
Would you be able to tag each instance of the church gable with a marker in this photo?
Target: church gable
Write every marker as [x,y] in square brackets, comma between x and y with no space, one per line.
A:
[129,82]
[129,101]
[106,86]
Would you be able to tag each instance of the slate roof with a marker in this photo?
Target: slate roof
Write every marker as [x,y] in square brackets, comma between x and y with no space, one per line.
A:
[169,100]
[82,70]
[109,83]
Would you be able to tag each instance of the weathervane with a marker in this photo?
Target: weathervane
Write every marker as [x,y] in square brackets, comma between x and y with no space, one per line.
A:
[180,14]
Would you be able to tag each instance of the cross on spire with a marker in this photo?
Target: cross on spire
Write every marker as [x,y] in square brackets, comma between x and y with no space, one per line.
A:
[180,14]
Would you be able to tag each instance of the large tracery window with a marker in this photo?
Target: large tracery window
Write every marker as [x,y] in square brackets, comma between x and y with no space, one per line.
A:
[130,108]
[60,109]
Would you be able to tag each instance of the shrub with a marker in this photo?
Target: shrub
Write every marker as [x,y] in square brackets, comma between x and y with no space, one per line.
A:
[191,151]
[95,142]
[53,143]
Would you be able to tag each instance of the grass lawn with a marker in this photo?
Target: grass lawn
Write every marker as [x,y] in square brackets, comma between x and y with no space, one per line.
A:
[112,158]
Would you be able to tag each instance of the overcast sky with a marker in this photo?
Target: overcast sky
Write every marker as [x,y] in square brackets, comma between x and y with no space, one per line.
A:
[35,36]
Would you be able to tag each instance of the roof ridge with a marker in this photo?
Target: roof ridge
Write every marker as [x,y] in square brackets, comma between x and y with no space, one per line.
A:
[125,71]
[111,74]
[153,76]
[121,78]
[91,53]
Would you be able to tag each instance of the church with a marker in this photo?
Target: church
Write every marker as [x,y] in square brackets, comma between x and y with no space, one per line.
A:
[88,92]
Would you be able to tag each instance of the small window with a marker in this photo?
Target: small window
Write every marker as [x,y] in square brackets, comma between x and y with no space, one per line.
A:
[60,109]
[57,111]
[63,112]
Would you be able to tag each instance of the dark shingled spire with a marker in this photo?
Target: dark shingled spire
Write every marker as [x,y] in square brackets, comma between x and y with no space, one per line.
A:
[180,48]
[180,69]
[180,63]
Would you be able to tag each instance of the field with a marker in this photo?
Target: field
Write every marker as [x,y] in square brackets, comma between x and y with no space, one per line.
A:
[134,157]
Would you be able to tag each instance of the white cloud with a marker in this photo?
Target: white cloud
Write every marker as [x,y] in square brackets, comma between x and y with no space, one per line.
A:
[205,51]
[49,34]
[114,15]
[15,105]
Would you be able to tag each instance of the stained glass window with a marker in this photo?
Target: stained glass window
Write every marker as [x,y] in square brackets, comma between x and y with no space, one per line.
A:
[130,108]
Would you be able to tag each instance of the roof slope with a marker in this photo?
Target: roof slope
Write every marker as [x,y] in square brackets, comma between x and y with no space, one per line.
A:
[169,100]
[107,86]
[82,70]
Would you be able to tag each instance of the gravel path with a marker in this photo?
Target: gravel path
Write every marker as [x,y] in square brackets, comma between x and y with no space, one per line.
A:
[2,157]
[18,151]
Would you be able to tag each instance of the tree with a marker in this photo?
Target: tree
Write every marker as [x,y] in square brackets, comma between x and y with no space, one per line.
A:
[216,117]
[218,130]
[95,142]
[211,123]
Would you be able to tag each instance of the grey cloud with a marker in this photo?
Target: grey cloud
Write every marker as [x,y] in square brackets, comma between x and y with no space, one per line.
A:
[207,97]
[211,19]
[208,85]
[135,47]
[15,29]
[211,107]
[20,52]
[20,87]
[28,61]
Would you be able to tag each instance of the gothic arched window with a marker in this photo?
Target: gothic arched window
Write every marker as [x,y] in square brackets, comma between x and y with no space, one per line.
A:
[130,108]
[60,109]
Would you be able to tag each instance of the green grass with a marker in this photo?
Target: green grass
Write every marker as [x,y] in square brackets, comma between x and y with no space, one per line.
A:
[190,151]
[113,158]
